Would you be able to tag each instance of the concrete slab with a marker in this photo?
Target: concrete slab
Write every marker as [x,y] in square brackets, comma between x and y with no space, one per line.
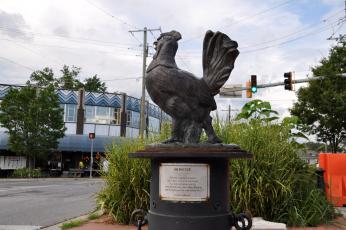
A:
[19,227]
[342,210]
[259,224]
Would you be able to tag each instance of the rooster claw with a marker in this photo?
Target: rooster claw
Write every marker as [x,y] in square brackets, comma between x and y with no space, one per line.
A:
[171,140]
[214,140]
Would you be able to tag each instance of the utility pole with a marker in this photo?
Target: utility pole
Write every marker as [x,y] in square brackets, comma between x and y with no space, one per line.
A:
[229,113]
[229,110]
[145,55]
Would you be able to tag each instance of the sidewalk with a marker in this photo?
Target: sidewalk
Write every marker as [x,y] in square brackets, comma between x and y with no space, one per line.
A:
[106,223]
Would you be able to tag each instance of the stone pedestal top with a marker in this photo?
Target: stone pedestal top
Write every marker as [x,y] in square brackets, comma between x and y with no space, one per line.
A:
[230,151]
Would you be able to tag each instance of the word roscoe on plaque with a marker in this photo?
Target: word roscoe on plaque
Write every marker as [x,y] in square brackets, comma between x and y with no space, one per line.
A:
[184,182]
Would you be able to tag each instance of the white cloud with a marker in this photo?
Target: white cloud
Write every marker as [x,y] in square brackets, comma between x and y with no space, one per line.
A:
[82,33]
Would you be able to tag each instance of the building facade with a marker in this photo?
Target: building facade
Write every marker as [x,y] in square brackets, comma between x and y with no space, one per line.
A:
[108,115]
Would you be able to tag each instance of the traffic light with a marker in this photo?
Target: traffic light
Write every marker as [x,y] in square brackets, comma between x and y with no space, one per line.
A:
[288,81]
[248,89]
[253,83]
[91,136]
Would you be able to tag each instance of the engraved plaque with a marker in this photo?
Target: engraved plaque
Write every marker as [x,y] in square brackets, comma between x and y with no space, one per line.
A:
[184,182]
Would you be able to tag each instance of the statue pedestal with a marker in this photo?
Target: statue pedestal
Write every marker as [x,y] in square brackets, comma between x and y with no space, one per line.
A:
[190,186]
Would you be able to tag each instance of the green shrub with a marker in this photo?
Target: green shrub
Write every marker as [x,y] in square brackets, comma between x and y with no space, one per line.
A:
[127,181]
[27,173]
[276,184]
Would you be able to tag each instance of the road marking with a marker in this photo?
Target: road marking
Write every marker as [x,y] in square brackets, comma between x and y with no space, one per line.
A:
[19,227]
[20,187]
[28,188]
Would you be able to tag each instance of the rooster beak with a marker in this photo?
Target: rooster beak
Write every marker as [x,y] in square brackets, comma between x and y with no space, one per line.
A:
[176,35]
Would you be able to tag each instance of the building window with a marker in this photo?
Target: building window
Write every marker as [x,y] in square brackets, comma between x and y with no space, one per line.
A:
[102,115]
[116,116]
[70,113]
[133,119]
[89,114]
[128,118]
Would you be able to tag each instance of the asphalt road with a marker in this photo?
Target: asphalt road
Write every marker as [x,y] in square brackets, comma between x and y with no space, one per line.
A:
[45,202]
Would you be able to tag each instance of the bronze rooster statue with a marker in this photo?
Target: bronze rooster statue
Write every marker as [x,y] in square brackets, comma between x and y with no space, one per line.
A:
[186,98]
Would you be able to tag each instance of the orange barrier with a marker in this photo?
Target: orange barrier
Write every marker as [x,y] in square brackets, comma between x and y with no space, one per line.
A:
[334,165]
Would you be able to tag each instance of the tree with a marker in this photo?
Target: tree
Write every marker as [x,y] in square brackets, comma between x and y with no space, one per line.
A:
[257,109]
[69,79]
[94,84]
[43,78]
[34,121]
[322,105]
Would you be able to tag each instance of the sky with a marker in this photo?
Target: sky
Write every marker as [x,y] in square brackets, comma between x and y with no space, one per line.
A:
[274,37]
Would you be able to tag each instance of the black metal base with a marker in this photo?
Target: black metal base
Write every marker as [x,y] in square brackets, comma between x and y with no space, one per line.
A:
[211,213]
[180,215]
[159,222]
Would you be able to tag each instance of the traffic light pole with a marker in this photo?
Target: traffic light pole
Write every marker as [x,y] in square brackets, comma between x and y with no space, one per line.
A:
[91,158]
[343,75]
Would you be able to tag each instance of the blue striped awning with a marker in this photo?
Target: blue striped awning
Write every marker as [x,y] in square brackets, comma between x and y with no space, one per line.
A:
[73,143]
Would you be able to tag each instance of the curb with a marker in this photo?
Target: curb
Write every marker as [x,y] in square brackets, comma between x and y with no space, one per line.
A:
[47,178]
[82,218]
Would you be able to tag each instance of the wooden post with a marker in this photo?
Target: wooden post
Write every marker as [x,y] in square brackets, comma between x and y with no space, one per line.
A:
[123,118]
[80,112]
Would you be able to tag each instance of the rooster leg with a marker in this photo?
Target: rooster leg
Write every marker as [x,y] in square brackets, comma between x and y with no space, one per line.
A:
[209,130]
[176,133]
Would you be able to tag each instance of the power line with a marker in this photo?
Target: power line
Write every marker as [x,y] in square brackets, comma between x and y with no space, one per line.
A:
[75,48]
[111,15]
[38,54]
[259,13]
[286,35]
[286,42]
[184,63]
[324,28]
[140,43]
[295,32]
[244,19]
[16,63]
[124,79]
[73,39]
[342,21]
[334,32]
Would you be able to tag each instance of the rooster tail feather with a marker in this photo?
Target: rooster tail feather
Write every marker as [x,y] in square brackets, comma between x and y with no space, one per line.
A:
[219,54]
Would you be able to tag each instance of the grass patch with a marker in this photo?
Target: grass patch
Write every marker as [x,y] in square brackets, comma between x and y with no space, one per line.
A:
[72,224]
[93,216]
[77,223]
[27,173]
